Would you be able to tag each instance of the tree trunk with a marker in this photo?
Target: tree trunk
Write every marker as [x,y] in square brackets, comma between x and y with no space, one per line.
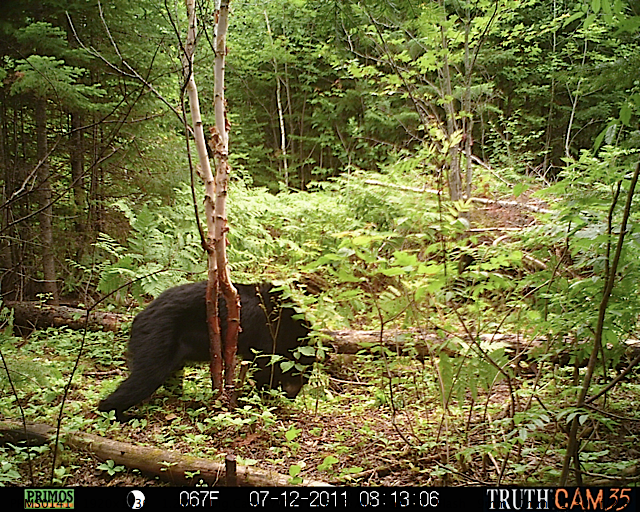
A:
[467,121]
[283,138]
[76,158]
[454,177]
[548,156]
[221,151]
[215,202]
[6,259]
[211,297]
[92,185]
[76,161]
[46,215]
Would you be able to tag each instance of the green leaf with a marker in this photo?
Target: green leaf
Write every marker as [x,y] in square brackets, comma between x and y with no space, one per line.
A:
[519,189]
[394,271]
[285,366]
[307,351]
[292,433]
[404,259]
[588,21]
[346,277]
[362,240]
[295,470]
[327,463]
[572,18]
[625,114]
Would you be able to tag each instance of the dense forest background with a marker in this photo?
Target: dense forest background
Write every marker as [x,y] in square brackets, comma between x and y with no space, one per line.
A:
[316,90]
[451,167]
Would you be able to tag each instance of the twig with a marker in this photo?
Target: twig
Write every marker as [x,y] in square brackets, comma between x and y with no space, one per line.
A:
[631,365]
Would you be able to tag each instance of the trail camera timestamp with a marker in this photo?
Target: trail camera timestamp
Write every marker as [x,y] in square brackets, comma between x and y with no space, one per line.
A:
[345,498]
[293,498]
[400,498]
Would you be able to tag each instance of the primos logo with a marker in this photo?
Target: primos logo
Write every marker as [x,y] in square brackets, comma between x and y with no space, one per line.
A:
[48,498]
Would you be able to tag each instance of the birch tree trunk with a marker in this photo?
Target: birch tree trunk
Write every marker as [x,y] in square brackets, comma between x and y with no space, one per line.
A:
[214,202]
[220,143]
[283,138]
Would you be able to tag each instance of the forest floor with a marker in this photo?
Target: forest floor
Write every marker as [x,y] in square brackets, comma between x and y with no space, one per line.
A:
[352,436]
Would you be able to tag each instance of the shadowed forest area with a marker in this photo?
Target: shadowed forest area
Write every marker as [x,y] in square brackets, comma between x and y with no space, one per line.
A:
[442,196]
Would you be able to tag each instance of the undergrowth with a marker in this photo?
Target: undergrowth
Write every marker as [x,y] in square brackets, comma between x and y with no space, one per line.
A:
[473,377]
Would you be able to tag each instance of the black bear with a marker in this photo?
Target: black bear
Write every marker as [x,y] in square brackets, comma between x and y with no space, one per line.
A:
[173,329]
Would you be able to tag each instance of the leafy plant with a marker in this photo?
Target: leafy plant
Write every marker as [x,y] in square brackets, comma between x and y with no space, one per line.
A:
[110,467]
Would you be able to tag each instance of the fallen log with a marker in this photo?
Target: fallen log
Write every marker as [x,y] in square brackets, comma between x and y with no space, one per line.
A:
[426,344]
[422,344]
[168,465]
[35,315]
[481,200]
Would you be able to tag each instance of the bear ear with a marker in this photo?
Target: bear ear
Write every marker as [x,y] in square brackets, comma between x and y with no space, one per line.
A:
[264,294]
[264,288]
